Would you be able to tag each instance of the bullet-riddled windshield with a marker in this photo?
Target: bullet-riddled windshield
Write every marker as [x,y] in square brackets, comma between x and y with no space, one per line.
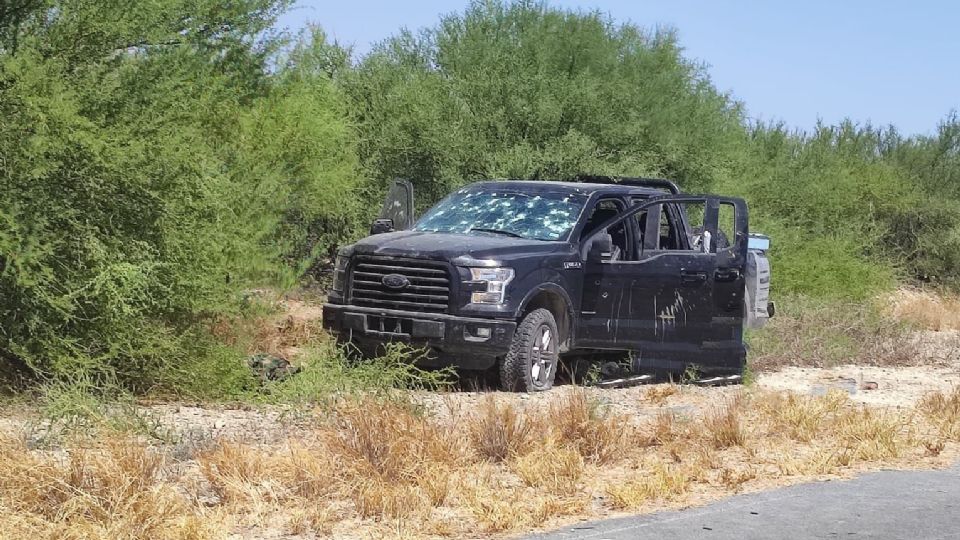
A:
[538,216]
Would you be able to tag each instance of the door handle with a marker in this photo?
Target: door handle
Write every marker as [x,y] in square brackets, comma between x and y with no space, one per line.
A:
[727,274]
[693,278]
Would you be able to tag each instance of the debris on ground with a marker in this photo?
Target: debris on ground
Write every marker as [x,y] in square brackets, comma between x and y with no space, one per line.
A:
[269,367]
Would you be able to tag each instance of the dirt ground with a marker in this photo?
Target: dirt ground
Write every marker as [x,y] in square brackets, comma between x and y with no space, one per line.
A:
[936,369]
[898,387]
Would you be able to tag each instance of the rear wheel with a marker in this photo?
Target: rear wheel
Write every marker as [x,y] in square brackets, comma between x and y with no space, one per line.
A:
[531,364]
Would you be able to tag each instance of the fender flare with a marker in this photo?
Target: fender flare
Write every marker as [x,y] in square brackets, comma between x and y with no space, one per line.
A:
[559,291]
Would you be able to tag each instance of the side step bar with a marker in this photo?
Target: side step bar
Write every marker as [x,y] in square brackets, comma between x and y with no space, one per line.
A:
[718,381]
[637,380]
[625,382]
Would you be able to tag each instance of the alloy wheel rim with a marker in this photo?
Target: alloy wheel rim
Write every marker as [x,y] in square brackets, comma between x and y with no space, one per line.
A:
[542,355]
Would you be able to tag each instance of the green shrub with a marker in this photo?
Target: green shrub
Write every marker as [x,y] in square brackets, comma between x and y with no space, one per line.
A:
[328,372]
[153,167]
[822,266]
[525,90]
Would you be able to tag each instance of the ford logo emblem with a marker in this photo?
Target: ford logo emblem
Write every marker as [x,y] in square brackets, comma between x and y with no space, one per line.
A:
[395,281]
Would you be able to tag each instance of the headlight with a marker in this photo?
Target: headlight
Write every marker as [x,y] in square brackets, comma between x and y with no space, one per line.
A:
[340,273]
[496,280]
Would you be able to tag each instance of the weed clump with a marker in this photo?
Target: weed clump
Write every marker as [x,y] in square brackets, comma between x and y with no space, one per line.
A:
[500,431]
[665,482]
[725,427]
[925,310]
[869,435]
[660,393]
[802,418]
[237,472]
[555,469]
[943,411]
[584,424]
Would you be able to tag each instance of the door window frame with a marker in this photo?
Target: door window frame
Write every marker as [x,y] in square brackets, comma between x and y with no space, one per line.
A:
[651,234]
[735,255]
[631,254]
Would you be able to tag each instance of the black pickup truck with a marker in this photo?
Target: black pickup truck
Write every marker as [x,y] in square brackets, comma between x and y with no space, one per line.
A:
[518,274]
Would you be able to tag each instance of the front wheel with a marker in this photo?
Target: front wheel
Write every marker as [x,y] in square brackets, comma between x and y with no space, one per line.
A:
[531,364]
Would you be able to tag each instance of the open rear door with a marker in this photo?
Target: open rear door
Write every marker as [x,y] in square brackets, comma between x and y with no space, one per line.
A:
[397,211]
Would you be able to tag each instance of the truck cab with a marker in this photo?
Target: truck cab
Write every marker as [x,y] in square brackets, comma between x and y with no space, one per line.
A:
[517,274]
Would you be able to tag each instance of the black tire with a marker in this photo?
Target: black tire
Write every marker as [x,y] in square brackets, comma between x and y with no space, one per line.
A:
[528,367]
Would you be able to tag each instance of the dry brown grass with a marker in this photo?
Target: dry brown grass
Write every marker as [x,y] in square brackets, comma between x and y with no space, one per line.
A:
[377,498]
[382,467]
[394,462]
[495,505]
[943,411]
[284,327]
[387,438]
[583,423]
[556,469]
[800,417]
[112,491]
[666,482]
[725,427]
[310,474]
[237,473]
[870,435]
[734,479]
[814,333]
[295,325]
[937,312]
[500,431]
[665,428]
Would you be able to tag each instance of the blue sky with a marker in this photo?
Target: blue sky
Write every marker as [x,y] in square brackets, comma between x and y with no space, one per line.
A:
[887,62]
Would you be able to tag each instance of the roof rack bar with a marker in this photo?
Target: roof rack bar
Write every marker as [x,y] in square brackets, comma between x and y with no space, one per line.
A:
[627,181]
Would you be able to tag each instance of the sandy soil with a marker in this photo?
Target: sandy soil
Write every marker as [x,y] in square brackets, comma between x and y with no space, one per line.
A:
[936,368]
[899,387]
[896,387]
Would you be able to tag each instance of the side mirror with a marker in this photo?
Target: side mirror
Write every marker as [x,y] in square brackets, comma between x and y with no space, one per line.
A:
[601,248]
[382,225]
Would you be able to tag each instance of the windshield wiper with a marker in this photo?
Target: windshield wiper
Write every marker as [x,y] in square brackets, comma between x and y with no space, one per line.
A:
[497,231]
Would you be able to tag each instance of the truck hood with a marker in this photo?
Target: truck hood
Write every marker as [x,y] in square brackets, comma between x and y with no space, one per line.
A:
[443,246]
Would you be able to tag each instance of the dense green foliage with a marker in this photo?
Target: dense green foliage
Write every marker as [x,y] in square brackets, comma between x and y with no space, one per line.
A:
[523,91]
[852,207]
[151,169]
[159,158]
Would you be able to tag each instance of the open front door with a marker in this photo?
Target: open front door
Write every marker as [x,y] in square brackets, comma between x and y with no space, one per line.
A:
[397,211]
[682,288]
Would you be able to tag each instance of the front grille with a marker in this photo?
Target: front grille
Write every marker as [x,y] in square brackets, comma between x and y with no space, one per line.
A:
[428,291]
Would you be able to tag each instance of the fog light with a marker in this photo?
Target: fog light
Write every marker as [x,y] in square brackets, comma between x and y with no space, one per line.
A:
[477,334]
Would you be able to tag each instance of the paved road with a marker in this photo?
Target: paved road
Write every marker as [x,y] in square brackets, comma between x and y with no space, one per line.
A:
[890,504]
